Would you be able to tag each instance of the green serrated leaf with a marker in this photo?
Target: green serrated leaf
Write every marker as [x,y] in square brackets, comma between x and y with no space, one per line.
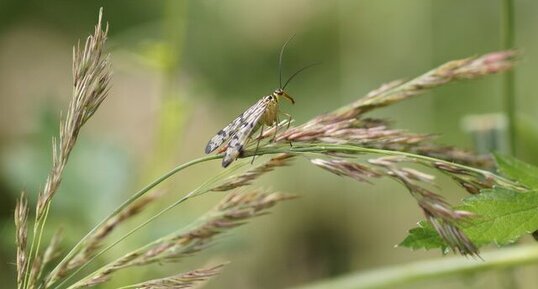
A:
[502,217]
[515,169]
[423,237]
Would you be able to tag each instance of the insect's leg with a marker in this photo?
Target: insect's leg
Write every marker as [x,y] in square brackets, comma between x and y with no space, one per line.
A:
[276,129]
[289,122]
[289,118]
[257,145]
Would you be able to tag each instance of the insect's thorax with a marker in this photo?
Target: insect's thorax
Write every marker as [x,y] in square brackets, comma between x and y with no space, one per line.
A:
[270,114]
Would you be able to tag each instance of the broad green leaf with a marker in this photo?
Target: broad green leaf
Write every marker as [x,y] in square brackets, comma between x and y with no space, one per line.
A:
[502,216]
[515,169]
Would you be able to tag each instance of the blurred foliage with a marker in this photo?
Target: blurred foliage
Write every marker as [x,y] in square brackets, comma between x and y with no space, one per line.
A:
[183,69]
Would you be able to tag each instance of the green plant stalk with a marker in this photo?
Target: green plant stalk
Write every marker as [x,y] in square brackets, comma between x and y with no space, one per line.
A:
[134,197]
[405,274]
[508,37]
[184,198]
[194,193]
[39,225]
[40,236]
[202,189]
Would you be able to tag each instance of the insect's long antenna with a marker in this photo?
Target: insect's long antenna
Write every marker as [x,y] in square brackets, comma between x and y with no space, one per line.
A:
[299,71]
[280,58]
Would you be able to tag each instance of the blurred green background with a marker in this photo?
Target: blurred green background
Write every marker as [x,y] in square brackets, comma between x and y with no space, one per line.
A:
[183,69]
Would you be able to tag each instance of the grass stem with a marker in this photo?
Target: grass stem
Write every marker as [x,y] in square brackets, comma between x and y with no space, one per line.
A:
[508,41]
[134,197]
[405,274]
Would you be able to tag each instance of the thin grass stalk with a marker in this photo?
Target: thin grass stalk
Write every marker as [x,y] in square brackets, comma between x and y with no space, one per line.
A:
[205,187]
[52,251]
[230,213]
[113,244]
[124,205]
[229,183]
[32,281]
[95,242]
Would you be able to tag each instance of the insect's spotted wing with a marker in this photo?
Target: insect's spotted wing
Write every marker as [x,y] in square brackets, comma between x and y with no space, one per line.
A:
[244,131]
[226,133]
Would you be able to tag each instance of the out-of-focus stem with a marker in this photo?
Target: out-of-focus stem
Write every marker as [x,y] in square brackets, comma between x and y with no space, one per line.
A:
[174,108]
[405,274]
[508,37]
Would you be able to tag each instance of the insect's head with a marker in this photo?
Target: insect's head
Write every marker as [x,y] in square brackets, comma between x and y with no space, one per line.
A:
[279,92]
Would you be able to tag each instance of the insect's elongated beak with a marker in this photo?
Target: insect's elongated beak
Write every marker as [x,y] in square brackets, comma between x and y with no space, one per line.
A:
[289,98]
